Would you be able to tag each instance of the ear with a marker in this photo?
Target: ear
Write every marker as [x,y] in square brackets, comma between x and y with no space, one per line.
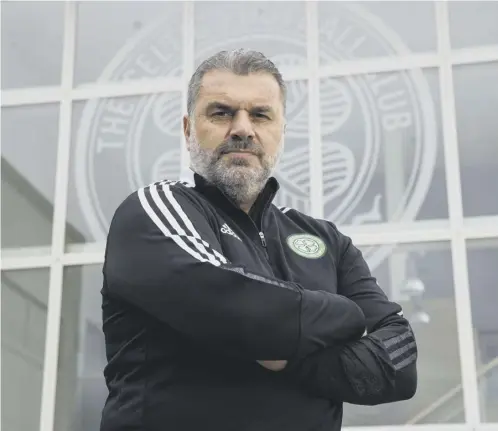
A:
[186,130]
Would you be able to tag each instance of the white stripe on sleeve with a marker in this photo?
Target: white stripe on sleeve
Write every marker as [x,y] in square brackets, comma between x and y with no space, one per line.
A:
[173,221]
[188,223]
[175,237]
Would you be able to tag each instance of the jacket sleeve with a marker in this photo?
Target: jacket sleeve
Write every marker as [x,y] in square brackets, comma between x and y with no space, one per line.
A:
[378,368]
[163,256]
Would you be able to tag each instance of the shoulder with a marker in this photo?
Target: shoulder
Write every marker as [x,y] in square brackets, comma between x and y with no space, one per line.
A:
[150,201]
[307,221]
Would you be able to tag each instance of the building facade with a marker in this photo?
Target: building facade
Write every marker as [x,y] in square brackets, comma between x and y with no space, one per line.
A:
[392,135]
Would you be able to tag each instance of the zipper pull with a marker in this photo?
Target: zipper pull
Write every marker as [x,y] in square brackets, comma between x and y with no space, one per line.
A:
[263,240]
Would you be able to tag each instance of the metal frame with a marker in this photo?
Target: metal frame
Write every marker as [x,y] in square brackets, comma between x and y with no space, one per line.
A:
[188,66]
[475,228]
[459,252]
[58,232]
[314,117]
[456,230]
[37,95]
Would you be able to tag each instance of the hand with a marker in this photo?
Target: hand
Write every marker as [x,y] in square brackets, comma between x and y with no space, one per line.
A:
[273,365]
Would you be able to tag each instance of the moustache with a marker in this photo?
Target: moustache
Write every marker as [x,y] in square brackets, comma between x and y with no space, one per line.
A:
[246,144]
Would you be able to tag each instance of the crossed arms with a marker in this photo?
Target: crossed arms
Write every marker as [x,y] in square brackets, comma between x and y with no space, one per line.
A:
[163,256]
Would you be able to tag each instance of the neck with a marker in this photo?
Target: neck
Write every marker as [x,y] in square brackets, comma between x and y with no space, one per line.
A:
[238,191]
[241,194]
[246,206]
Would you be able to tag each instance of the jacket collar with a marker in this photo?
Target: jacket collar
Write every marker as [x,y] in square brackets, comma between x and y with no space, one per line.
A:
[216,196]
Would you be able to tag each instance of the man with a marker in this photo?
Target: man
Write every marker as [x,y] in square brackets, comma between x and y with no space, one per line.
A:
[223,312]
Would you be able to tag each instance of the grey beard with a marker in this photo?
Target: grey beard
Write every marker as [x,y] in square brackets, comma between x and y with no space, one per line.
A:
[236,178]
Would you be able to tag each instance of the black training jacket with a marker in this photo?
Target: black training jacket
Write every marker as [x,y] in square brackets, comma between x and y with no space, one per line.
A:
[196,291]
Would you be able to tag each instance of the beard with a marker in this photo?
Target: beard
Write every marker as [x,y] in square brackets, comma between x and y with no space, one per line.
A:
[239,178]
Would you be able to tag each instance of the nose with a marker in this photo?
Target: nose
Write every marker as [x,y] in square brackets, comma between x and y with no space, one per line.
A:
[242,126]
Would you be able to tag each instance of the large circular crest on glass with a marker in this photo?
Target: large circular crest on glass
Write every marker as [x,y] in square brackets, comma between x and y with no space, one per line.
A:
[146,135]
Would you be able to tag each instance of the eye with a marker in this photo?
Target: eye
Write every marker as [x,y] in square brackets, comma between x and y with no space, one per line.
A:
[220,114]
[260,115]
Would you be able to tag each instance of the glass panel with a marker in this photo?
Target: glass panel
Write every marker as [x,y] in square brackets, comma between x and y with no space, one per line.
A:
[24,318]
[359,30]
[473,23]
[419,277]
[29,158]
[382,148]
[482,258]
[32,34]
[476,99]
[118,146]
[278,29]
[135,40]
[294,166]
[81,389]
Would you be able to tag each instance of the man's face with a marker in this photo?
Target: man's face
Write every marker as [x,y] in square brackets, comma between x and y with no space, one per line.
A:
[236,135]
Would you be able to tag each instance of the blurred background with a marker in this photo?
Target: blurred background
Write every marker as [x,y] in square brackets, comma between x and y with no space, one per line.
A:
[393,136]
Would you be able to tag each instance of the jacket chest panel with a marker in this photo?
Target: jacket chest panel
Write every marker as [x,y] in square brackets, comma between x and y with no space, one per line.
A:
[312,273]
[244,248]
[295,258]
[305,256]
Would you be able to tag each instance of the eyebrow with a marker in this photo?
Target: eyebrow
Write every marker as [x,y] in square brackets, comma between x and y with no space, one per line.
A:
[212,106]
[263,108]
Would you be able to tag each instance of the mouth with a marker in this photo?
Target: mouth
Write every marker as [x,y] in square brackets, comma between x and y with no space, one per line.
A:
[240,153]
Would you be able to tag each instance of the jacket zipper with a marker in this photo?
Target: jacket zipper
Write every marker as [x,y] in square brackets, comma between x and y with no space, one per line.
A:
[263,240]
[260,232]
[261,236]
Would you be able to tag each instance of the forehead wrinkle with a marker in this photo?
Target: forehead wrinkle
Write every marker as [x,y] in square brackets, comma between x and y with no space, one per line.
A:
[240,94]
